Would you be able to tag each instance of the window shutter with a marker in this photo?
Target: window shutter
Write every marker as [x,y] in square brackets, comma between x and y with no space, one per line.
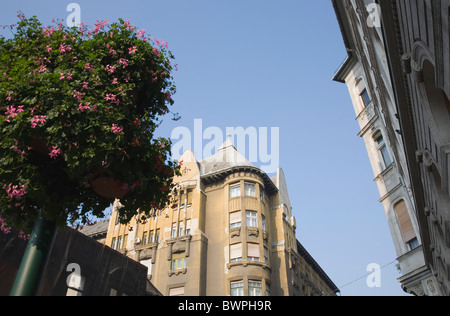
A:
[236,251]
[235,217]
[404,221]
[253,250]
[179,291]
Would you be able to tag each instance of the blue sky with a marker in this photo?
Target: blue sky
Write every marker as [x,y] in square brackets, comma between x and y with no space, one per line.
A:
[268,63]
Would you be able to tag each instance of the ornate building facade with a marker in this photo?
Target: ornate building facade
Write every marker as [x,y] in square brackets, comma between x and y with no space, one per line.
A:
[229,232]
[398,76]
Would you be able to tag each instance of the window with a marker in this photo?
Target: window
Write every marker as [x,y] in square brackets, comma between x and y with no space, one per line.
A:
[113,243]
[266,255]
[178,264]
[179,291]
[158,232]
[250,189]
[174,230]
[365,97]
[251,219]
[237,288]
[267,289]
[181,229]
[125,240]
[383,151]
[189,197]
[235,220]
[236,253]
[253,252]
[183,198]
[150,237]
[263,220]
[188,227]
[144,238]
[261,193]
[413,244]
[119,243]
[254,288]
[235,190]
[406,227]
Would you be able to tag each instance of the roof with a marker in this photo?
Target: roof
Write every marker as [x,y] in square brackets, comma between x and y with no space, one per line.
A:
[226,157]
[95,229]
[228,160]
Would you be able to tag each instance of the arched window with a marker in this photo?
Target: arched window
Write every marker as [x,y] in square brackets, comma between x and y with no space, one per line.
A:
[406,227]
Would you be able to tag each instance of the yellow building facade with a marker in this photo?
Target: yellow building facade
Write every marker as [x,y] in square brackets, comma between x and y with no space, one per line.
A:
[229,232]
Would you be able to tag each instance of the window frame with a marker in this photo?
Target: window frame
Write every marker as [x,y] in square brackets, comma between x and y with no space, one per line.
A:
[254,288]
[383,152]
[251,192]
[237,287]
[365,98]
[235,188]
[251,218]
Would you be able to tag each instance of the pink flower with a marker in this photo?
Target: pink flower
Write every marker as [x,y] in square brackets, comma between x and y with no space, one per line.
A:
[49,49]
[12,111]
[43,68]
[16,192]
[112,98]
[116,129]
[77,94]
[89,67]
[3,228]
[123,62]
[115,81]
[48,31]
[140,33]
[20,152]
[8,98]
[82,107]
[156,51]
[85,85]
[62,76]
[69,76]
[55,152]
[38,120]
[132,50]
[110,68]
[128,25]
[63,48]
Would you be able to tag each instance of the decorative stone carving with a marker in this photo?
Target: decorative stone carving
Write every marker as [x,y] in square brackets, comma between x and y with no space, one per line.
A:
[252,231]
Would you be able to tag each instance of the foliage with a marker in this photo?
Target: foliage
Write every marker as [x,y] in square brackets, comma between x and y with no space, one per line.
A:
[76,103]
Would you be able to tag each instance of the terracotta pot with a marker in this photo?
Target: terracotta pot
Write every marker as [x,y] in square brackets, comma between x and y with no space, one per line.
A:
[105,185]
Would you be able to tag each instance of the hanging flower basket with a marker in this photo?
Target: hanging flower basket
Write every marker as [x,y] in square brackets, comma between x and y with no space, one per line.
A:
[73,100]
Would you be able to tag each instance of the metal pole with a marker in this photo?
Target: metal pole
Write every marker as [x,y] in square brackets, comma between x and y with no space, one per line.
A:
[35,258]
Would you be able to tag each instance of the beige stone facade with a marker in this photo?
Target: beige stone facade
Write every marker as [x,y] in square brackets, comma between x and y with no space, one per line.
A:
[229,232]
